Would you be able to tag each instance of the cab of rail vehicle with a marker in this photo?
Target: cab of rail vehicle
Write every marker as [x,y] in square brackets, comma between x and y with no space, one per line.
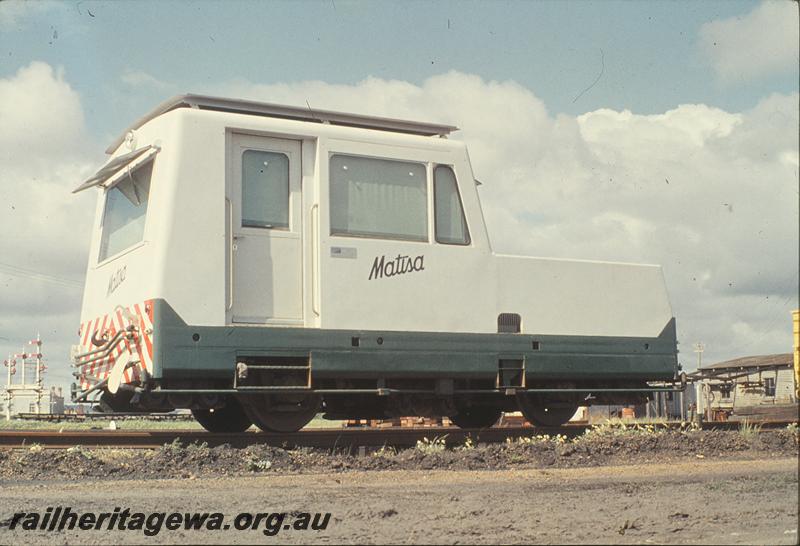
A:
[260,264]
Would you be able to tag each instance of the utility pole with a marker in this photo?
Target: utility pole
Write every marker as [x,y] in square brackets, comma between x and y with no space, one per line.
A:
[699,348]
[24,357]
[11,366]
[40,367]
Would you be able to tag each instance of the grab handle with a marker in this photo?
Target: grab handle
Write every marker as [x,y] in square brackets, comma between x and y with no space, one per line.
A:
[229,207]
[314,258]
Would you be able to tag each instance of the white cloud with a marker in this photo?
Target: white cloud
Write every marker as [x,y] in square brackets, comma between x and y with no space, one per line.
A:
[763,42]
[41,115]
[45,152]
[688,126]
[140,78]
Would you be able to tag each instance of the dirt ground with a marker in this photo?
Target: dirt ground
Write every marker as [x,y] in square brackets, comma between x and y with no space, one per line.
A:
[597,447]
[695,501]
[609,485]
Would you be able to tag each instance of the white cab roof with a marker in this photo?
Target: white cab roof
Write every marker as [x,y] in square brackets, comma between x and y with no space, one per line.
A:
[265,109]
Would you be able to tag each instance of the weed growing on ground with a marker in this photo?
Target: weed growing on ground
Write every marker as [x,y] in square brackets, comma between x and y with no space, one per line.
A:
[31,455]
[385,452]
[616,421]
[693,426]
[303,455]
[173,448]
[116,455]
[198,449]
[749,431]
[79,450]
[468,445]
[794,432]
[538,439]
[529,440]
[610,428]
[256,464]
[432,446]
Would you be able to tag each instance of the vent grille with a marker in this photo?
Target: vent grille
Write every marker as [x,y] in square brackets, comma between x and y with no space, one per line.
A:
[508,323]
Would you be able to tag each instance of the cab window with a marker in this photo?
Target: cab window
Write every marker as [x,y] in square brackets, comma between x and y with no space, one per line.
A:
[450,224]
[379,198]
[125,211]
[265,189]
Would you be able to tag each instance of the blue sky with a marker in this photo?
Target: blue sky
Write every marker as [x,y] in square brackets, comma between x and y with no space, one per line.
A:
[645,54]
[575,114]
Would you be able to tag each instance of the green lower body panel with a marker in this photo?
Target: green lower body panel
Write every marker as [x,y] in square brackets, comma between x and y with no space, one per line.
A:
[183,351]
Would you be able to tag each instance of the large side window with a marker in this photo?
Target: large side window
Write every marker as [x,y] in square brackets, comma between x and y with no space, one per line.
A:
[125,211]
[265,189]
[378,198]
[451,226]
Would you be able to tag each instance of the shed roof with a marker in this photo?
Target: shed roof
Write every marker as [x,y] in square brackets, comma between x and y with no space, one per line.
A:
[758,361]
[265,109]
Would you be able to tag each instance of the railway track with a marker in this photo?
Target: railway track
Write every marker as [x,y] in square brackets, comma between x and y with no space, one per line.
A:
[327,438]
[335,438]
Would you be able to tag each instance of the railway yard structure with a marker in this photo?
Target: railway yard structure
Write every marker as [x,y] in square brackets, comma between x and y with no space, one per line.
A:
[24,389]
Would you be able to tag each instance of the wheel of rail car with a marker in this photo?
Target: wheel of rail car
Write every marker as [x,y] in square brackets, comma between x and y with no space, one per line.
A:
[546,412]
[476,417]
[281,413]
[118,402]
[229,418]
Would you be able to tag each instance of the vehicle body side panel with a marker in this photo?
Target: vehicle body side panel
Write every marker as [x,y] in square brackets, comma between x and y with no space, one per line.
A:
[407,354]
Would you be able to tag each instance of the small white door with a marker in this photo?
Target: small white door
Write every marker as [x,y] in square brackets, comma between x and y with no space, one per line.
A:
[266,240]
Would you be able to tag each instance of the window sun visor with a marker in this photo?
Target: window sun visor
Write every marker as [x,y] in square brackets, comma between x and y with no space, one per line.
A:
[112,167]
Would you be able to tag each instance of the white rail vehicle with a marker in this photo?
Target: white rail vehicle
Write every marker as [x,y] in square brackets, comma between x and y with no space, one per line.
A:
[260,263]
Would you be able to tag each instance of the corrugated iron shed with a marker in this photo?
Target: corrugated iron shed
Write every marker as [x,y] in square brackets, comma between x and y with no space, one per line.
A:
[758,361]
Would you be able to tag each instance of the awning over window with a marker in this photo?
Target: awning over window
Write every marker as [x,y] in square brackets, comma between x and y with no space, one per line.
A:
[113,166]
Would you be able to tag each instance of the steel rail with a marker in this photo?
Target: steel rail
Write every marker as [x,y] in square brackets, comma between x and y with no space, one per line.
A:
[333,438]
[324,438]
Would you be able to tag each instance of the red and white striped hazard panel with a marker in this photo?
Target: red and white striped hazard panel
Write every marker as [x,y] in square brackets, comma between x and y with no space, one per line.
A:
[140,346]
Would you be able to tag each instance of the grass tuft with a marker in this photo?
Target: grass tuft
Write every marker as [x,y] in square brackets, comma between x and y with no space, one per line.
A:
[432,446]
[748,430]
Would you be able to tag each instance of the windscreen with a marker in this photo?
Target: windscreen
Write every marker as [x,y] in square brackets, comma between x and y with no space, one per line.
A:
[125,212]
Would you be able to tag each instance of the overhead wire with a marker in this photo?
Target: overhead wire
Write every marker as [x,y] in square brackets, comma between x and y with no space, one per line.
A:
[22,272]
